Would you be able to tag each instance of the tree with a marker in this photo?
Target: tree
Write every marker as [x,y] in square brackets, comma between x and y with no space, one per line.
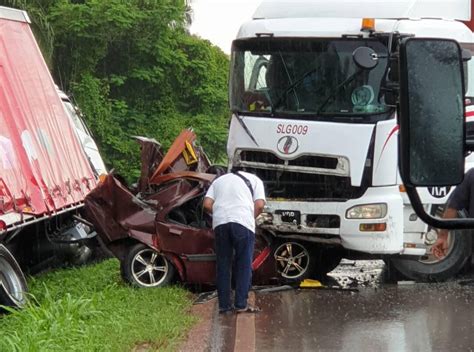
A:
[135,70]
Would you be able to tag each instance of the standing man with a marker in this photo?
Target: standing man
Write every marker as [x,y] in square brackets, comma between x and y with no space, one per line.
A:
[462,199]
[234,200]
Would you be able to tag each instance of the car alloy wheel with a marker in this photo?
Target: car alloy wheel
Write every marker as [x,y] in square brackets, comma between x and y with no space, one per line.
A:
[292,260]
[143,266]
[149,268]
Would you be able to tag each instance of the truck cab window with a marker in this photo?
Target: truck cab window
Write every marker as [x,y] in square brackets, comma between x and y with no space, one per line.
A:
[307,77]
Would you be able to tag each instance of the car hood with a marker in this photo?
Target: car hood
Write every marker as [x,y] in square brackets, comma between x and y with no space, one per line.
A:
[118,211]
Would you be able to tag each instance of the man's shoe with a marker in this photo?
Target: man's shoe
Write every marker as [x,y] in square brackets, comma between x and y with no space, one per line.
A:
[248,309]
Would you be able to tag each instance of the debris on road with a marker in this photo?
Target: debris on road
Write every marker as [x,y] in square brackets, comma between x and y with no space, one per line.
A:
[308,283]
[405,282]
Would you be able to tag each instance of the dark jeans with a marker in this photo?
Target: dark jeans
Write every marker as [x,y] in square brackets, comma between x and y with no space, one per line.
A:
[233,241]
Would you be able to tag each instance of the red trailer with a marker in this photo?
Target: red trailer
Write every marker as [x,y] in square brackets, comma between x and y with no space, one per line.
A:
[44,173]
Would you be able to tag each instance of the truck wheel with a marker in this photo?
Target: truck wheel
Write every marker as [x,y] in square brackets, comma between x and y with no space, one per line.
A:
[13,286]
[327,260]
[145,267]
[430,269]
[294,260]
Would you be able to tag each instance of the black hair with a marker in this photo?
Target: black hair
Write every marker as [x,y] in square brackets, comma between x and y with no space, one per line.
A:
[236,169]
[217,170]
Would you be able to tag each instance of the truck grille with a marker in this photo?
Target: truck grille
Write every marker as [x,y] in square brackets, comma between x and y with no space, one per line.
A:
[323,221]
[305,160]
[290,184]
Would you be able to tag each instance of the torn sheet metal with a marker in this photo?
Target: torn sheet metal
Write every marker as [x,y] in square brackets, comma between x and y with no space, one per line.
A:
[167,214]
[183,155]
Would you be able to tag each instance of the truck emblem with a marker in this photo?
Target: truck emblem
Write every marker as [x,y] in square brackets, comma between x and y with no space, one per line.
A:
[287,145]
[439,192]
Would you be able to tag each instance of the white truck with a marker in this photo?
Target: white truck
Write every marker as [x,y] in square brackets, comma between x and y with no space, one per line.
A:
[319,127]
[84,135]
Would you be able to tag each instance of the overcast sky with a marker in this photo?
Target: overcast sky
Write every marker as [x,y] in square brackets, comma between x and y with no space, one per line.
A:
[220,20]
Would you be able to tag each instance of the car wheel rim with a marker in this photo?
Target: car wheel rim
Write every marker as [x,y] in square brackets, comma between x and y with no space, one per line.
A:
[11,282]
[149,268]
[292,260]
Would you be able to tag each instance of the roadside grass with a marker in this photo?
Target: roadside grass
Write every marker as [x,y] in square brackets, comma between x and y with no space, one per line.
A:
[90,309]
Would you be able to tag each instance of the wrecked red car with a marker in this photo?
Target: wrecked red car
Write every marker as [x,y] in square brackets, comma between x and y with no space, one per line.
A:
[159,231]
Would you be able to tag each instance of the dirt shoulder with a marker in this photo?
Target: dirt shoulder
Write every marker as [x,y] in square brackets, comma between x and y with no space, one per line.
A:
[198,338]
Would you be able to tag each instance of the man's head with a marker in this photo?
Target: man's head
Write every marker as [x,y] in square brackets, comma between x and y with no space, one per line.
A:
[236,169]
[217,170]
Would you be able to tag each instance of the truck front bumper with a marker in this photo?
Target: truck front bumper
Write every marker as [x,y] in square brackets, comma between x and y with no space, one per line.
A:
[323,221]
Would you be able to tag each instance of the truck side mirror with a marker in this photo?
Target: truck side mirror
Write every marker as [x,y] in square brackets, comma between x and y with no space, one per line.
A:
[365,58]
[431,112]
[466,55]
[431,119]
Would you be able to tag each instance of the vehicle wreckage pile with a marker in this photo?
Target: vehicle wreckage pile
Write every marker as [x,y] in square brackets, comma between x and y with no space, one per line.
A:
[159,231]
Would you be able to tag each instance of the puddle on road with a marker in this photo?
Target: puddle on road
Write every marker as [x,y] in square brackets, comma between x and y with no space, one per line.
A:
[381,316]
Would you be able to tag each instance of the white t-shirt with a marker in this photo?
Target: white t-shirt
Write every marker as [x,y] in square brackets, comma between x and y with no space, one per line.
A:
[233,201]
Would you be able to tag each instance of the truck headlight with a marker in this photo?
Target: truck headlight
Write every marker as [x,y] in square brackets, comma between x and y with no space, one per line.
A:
[367,211]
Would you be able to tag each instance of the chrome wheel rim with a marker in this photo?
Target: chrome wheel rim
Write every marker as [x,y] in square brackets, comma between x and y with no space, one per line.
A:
[12,283]
[149,268]
[292,260]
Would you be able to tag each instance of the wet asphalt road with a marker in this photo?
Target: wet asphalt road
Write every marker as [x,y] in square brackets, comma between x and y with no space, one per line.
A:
[376,317]
[395,318]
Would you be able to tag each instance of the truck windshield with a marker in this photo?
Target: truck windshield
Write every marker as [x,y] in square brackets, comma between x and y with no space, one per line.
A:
[306,77]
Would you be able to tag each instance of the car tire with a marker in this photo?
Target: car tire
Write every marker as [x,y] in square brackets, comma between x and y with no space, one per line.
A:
[294,260]
[439,270]
[13,287]
[145,267]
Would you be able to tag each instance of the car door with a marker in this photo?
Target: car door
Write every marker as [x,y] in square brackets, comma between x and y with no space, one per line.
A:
[184,234]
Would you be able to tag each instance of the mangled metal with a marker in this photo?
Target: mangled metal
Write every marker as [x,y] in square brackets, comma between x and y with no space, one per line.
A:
[160,227]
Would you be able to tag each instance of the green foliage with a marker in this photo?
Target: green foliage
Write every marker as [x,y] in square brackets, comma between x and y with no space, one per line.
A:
[135,70]
[103,118]
[90,309]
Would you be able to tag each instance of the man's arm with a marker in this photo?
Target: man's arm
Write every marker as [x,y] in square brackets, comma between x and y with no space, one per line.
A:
[258,207]
[440,248]
[207,204]
[459,199]
[259,198]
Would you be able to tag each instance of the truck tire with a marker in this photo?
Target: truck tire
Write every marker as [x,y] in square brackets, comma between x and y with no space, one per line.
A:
[13,285]
[327,260]
[426,270]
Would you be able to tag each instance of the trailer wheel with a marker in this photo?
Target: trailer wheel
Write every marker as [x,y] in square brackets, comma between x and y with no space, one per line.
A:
[294,260]
[145,267]
[430,269]
[13,285]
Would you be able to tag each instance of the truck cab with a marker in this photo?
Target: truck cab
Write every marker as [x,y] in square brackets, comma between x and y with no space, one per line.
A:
[320,128]
[84,135]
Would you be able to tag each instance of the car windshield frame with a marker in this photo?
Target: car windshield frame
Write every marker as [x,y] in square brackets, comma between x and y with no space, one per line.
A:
[259,65]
